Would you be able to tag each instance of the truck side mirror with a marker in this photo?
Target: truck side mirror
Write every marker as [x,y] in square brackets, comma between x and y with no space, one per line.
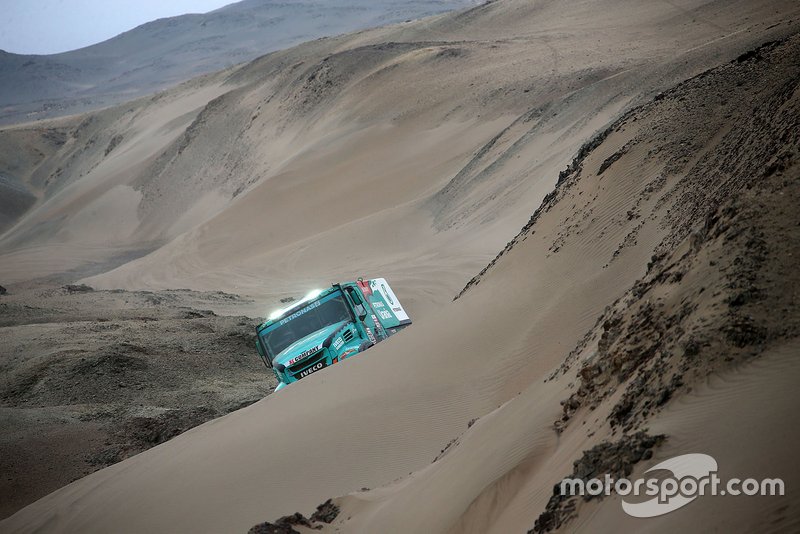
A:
[358,304]
[360,311]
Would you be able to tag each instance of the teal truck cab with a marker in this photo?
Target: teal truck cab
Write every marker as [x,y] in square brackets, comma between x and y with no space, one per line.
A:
[327,326]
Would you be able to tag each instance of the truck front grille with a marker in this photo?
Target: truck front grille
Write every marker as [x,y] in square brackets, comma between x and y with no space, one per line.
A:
[312,360]
[347,336]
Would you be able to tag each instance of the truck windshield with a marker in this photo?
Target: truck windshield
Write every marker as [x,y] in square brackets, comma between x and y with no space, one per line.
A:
[329,310]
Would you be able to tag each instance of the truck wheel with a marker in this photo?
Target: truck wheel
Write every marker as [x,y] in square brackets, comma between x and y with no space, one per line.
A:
[364,346]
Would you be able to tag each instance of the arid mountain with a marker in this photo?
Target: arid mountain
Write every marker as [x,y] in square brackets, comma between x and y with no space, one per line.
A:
[634,164]
[159,54]
[428,140]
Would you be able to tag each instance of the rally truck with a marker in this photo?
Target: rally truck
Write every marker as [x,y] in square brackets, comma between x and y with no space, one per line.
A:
[327,326]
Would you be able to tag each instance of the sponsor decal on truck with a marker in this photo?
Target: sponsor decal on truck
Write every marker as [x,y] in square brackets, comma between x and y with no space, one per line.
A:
[304,355]
[381,286]
[312,369]
[370,335]
[298,313]
[350,317]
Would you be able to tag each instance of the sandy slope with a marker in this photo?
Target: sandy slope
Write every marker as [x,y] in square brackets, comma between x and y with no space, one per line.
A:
[673,230]
[416,152]
[164,52]
[441,133]
[753,441]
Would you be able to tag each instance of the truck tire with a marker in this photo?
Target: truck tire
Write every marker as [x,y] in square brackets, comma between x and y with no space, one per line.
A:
[364,346]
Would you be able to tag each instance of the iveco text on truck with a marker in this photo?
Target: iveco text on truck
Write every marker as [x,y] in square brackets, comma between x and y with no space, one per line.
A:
[328,326]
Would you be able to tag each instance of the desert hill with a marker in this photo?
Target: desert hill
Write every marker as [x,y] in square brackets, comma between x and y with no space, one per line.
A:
[636,166]
[166,51]
[447,130]
[93,377]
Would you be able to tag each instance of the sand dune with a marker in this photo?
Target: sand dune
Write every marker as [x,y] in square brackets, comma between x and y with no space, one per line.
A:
[164,52]
[437,91]
[641,294]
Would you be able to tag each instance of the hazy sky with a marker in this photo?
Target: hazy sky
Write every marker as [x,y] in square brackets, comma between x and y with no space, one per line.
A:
[50,26]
